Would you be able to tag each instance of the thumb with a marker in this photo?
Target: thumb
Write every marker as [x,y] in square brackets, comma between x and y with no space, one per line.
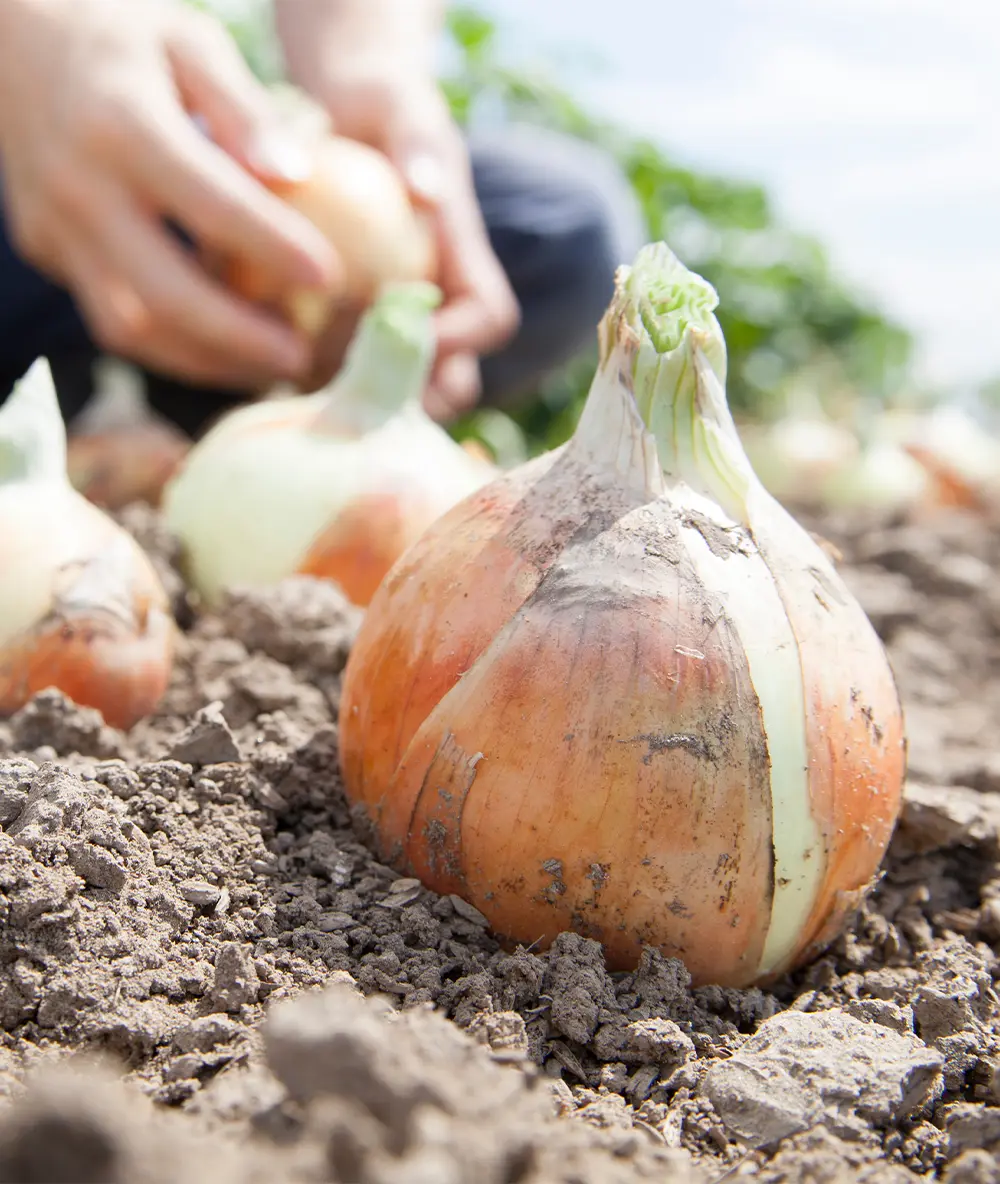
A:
[238,113]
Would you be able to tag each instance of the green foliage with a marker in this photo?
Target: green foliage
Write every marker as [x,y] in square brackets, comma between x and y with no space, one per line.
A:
[793,330]
[251,26]
[789,323]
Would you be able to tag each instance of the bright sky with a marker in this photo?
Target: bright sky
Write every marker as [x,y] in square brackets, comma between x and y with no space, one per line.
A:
[873,123]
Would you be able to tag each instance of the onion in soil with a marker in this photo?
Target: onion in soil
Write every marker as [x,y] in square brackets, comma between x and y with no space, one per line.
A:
[334,485]
[81,606]
[621,691]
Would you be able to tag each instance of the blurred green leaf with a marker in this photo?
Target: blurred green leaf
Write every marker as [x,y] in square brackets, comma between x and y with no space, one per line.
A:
[473,33]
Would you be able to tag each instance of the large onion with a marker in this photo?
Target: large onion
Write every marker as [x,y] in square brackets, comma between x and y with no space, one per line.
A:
[336,484]
[81,607]
[621,691]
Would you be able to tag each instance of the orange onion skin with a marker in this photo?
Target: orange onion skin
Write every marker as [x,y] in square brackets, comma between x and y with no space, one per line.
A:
[529,860]
[118,662]
[94,662]
[441,677]
[620,691]
[365,540]
[436,630]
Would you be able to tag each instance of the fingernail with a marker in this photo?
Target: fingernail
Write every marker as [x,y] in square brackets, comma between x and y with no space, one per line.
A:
[277,154]
[424,176]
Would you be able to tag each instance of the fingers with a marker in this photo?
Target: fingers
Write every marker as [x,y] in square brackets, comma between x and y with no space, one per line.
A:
[224,208]
[122,326]
[215,83]
[145,299]
[94,166]
[454,387]
[212,186]
[480,310]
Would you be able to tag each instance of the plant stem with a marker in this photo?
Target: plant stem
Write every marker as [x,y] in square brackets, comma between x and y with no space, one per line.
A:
[387,362]
[661,340]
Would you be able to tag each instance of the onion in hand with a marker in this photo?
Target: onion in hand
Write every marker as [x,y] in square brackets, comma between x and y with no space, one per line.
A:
[334,485]
[358,199]
[81,607]
[621,691]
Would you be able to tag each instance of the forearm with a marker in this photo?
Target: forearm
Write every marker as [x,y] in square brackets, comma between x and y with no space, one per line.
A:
[348,51]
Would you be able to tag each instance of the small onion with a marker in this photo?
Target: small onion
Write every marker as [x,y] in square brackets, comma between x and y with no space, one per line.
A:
[621,691]
[81,606]
[795,455]
[335,485]
[121,465]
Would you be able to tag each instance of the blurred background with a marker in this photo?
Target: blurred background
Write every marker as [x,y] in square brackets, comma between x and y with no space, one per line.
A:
[831,167]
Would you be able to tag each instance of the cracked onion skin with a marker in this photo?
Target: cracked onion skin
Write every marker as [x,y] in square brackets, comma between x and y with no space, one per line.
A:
[620,691]
[81,606]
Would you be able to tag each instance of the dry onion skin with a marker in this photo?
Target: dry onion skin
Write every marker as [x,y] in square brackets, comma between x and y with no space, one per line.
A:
[81,606]
[334,485]
[621,691]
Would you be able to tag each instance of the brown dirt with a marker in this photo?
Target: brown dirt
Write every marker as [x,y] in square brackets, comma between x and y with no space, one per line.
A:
[204,975]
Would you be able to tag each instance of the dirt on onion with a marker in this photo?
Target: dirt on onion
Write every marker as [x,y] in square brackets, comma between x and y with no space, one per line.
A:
[205,976]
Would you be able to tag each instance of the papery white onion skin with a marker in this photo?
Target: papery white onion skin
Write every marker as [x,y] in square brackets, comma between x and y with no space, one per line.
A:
[81,606]
[620,691]
[334,485]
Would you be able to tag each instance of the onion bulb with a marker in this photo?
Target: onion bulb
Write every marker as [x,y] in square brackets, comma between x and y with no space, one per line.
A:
[359,201]
[883,477]
[121,465]
[334,485]
[621,691]
[81,606]
[959,453]
[793,455]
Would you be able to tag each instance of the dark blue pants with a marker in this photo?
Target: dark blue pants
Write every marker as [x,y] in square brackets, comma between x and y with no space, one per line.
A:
[560,217]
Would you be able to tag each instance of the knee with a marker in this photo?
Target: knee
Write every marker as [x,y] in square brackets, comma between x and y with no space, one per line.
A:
[597,226]
[559,208]
[562,217]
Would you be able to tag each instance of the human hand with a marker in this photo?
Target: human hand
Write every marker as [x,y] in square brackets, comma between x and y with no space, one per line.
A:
[408,119]
[99,150]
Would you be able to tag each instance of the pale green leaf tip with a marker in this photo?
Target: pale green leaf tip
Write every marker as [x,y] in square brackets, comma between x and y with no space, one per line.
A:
[35,387]
[32,432]
[404,311]
[390,355]
[666,299]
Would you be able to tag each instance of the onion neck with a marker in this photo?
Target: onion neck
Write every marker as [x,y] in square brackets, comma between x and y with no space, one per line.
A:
[32,432]
[663,361]
[387,363]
